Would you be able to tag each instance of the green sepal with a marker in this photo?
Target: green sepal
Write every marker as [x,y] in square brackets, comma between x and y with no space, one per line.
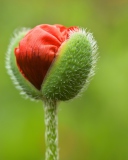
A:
[19,80]
[72,68]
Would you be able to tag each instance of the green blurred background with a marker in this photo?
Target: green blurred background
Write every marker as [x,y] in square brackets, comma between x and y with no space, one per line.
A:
[92,127]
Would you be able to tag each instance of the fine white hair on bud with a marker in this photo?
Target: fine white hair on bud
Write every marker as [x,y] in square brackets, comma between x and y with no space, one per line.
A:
[94,56]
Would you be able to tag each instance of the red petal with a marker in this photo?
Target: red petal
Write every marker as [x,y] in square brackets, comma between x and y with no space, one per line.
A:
[37,51]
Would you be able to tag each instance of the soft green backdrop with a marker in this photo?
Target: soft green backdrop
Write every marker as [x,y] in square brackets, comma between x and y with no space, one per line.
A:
[92,127]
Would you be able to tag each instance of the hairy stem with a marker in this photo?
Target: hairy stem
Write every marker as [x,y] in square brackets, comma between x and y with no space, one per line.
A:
[51,133]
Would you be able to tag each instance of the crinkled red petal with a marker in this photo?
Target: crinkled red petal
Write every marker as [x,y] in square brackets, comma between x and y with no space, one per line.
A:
[38,49]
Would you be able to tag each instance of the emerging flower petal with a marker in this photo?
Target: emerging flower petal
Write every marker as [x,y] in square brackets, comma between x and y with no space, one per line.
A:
[37,50]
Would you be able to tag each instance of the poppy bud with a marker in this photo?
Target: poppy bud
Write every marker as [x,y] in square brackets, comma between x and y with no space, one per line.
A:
[52,61]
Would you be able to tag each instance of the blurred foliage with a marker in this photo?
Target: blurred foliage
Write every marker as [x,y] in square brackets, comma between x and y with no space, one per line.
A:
[93,127]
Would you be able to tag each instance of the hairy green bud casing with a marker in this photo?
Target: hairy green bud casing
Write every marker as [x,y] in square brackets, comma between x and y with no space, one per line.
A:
[52,62]
[72,68]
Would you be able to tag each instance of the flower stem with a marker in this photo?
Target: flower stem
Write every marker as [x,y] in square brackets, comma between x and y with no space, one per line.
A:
[51,133]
